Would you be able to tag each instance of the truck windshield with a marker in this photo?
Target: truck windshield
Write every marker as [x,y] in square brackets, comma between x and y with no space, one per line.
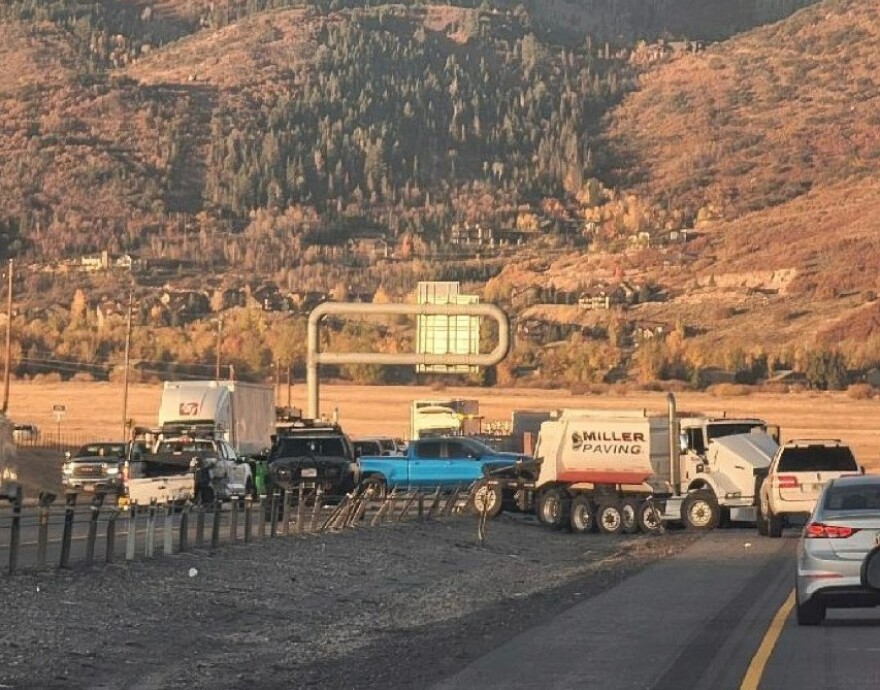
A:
[721,429]
[107,450]
[295,447]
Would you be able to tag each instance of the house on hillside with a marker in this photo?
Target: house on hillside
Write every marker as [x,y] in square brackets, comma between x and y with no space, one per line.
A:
[371,246]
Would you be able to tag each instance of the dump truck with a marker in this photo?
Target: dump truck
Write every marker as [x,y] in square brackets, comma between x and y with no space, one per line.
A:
[624,470]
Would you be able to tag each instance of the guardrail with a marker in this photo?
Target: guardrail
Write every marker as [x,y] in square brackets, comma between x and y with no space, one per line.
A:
[61,533]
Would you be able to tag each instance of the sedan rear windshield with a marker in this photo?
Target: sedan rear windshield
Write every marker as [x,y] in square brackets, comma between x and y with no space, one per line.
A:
[817,459]
[296,447]
[853,498]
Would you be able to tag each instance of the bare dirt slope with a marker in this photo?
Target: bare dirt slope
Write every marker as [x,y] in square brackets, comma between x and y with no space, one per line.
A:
[339,611]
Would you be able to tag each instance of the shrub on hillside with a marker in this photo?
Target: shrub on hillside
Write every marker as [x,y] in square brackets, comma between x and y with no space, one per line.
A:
[860,391]
[729,390]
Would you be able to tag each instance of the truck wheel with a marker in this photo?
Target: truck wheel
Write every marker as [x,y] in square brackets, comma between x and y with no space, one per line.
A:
[553,508]
[485,497]
[648,516]
[374,488]
[609,518]
[583,517]
[774,525]
[628,513]
[761,521]
[700,511]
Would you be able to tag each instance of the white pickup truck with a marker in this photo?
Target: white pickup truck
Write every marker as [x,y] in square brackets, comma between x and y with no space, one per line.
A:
[186,465]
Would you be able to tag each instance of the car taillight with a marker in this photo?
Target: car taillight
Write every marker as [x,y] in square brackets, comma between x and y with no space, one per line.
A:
[786,481]
[817,530]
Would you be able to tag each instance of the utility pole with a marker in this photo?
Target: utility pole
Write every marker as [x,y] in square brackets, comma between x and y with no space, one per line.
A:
[219,344]
[8,370]
[288,385]
[125,379]
[277,366]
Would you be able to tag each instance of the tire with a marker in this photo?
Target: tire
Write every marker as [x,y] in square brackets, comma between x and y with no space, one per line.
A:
[583,515]
[485,497]
[700,510]
[761,522]
[648,516]
[374,488]
[629,514]
[774,525]
[553,508]
[809,613]
[609,518]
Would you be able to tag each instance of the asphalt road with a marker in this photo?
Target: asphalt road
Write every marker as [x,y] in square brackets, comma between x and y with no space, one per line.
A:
[701,619]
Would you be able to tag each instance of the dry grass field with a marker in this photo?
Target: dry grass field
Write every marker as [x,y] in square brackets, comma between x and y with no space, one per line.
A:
[95,409]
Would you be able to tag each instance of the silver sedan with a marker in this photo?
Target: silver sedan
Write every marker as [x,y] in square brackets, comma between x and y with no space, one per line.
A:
[838,563]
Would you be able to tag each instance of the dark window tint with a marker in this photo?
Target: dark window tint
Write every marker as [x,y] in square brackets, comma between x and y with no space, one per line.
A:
[429,449]
[719,430]
[845,498]
[367,448]
[296,447]
[457,449]
[102,450]
[817,459]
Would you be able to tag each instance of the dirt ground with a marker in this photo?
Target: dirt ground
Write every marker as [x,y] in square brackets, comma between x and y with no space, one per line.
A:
[396,607]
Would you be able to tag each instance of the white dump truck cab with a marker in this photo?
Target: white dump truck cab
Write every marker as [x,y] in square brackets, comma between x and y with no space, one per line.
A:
[721,455]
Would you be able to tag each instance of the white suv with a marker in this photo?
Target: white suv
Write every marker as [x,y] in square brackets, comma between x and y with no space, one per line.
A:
[795,478]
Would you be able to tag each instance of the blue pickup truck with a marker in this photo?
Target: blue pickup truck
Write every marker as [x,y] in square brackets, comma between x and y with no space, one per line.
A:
[446,462]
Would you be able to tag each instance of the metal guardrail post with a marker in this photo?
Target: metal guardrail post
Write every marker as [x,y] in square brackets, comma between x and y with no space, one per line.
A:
[45,501]
[233,521]
[200,526]
[286,507]
[151,531]
[131,536]
[248,508]
[273,512]
[97,502]
[300,508]
[110,550]
[421,505]
[168,540]
[183,540]
[316,509]
[15,530]
[215,526]
[67,533]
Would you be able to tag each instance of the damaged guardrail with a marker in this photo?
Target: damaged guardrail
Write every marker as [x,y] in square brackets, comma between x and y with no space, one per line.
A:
[63,533]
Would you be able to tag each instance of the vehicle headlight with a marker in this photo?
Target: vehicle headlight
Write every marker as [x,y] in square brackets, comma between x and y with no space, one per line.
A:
[112,470]
[67,468]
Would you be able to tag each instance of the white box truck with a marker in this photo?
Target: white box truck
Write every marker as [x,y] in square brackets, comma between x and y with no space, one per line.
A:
[624,470]
[244,413]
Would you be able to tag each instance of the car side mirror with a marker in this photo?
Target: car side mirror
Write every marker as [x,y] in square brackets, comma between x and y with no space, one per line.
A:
[862,469]
[682,442]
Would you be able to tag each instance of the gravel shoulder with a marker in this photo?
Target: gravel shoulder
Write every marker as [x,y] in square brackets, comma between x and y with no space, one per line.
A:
[393,607]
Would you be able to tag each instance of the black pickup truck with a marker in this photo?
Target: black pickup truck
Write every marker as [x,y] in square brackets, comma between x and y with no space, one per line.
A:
[312,455]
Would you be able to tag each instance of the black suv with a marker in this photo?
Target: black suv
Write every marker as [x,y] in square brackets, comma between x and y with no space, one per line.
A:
[312,454]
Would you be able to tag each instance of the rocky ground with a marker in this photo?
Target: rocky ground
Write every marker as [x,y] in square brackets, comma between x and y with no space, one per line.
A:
[393,607]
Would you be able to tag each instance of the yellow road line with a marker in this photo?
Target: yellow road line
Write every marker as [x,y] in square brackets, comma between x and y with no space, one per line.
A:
[753,676]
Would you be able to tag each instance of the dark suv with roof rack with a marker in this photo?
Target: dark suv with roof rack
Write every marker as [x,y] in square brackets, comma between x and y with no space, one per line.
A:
[312,454]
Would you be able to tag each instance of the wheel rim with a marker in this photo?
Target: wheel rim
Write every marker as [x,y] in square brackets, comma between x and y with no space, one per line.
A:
[611,519]
[373,490]
[581,518]
[700,513]
[650,518]
[484,499]
[550,509]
